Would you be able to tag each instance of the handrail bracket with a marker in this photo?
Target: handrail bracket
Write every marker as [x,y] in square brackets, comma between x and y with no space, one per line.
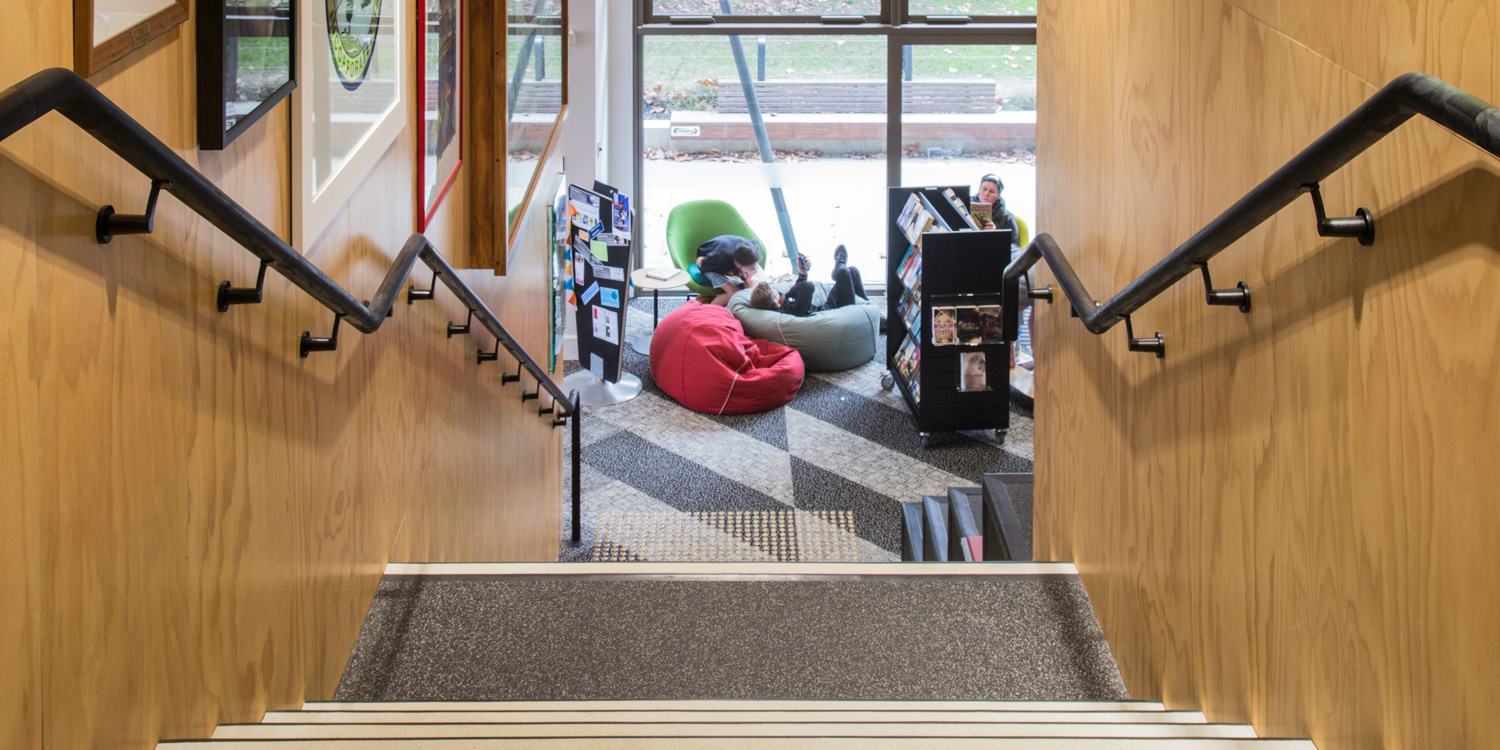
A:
[1152,344]
[311,343]
[1360,225]
[110,223]
[1239,296]
[240,295]
[457,329]
[483,356]
[413,294]
[1045,295]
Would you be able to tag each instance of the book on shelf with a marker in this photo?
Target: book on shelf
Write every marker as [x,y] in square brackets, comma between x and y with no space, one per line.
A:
[958,205]
[911,278]
[944,326]
[938,223]
[971,372]
[991,325]
[913,256]
[970,326]
[910,309]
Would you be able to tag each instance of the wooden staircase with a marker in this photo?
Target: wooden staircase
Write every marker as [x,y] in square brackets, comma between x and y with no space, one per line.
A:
[1029,725]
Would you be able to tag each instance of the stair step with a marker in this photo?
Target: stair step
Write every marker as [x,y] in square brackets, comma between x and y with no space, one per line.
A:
[694,704]
[770,571]
[783,716]
[965,521]
[1002,527]
[755,743]
[926,729]
[911,532]
[935,528]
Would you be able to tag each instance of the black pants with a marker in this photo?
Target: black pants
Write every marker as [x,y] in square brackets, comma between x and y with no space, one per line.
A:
[848,288]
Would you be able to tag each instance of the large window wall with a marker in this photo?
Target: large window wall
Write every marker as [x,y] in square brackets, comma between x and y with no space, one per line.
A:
[854,96]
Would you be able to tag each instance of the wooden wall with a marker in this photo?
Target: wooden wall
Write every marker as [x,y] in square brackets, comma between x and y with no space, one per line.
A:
[1290,520]
[193,519]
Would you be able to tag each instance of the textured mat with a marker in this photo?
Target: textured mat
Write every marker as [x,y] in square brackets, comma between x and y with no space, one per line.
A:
[727,536]
[996,638]
[843,444]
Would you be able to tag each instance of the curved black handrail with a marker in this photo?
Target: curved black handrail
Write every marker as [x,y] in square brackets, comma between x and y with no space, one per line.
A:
[1409,95]
[63,91]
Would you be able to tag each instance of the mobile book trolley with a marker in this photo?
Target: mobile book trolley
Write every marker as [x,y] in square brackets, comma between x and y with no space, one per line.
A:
[955,375]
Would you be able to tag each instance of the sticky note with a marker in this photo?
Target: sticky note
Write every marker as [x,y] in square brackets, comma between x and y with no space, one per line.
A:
[600,250]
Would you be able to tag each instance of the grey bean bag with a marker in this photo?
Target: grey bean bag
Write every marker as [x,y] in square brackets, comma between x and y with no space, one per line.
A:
[828,341]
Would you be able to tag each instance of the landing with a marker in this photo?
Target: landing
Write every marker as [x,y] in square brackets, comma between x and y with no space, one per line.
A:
[1029,634]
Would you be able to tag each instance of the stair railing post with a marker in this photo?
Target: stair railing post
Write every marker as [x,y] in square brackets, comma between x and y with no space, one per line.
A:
[577,417]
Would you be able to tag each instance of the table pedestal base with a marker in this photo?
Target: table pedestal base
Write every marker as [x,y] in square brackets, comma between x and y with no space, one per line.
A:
[595,392]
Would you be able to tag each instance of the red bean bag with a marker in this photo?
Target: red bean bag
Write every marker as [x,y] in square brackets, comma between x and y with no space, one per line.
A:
[701,356]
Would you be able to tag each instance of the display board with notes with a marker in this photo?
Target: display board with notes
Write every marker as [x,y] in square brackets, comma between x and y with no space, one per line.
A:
[601,262]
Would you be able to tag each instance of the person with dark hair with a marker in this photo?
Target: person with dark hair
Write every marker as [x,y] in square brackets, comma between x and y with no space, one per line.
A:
[848,288]
[990,190]
[727,262]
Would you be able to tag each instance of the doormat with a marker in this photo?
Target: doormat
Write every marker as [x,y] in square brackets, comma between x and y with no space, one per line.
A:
[727,536]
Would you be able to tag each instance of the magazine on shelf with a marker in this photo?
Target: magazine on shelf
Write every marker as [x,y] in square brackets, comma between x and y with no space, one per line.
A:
[971,369]
[958,205]
[970,326]
[944,326]
[912,276]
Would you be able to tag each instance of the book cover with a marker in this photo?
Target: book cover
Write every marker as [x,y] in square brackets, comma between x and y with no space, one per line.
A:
[971,370]
[944,326]
[970,326]
[991,325]
[959,206]
[982,212]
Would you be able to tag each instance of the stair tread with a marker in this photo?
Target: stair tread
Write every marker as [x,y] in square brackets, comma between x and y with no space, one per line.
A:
[730,716]
[700,729]
[758,743]
[777,570]
[719,704]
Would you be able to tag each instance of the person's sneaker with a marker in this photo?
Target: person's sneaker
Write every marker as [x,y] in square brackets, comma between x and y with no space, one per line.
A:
[840,255]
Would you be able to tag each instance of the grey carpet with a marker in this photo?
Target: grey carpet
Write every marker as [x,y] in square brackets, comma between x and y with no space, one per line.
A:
[842,444]
[998,638]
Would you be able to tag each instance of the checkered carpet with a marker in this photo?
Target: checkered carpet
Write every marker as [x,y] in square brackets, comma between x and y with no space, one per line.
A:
[842,446]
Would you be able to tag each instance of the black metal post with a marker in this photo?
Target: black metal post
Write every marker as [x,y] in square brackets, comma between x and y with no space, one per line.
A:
[752,104]
[577,417]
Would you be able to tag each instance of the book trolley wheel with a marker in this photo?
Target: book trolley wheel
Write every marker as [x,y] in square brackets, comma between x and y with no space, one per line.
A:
[887,381]
[923,439]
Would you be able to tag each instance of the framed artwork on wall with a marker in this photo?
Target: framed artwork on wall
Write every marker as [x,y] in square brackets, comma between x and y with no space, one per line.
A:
[107,30]
[350,103]
[246,64]
[439,77]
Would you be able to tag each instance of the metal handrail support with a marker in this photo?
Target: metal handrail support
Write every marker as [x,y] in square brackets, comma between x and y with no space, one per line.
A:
[63,91]
[1403,98]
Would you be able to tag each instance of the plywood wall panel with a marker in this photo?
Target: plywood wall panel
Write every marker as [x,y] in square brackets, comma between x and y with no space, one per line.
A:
[1284,521]
[195,518]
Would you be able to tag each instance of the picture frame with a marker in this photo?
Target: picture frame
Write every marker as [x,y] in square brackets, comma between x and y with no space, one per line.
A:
[239,82]
[106,30]
[351,103]
[439,78]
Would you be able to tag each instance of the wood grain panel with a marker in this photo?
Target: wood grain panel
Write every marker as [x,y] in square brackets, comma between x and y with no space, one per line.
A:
[1286,521]
[195,518]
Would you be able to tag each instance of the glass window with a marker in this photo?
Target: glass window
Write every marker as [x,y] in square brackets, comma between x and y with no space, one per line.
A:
[823,99]
[969,111]
[972,7]
[766,8]
[534,88]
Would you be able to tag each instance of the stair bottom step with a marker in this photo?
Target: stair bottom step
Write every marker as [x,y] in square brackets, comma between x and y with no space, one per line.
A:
[787,716]
[934,729]
[754,743]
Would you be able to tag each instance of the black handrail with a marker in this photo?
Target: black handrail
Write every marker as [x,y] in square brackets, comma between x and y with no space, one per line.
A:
[1409,95]
[63,91]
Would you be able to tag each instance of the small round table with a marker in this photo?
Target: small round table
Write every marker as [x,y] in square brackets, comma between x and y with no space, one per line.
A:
[642,344]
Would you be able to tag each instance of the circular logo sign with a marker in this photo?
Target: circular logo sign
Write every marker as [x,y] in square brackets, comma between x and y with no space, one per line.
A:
[353,26]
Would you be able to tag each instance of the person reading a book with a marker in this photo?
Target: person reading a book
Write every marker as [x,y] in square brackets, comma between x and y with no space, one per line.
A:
[848,288]
[727,262]
[990,190]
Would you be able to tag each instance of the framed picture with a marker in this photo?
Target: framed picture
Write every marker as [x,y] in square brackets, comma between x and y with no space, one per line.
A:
[439,76]
[107,30]
[246,64]
[349,106]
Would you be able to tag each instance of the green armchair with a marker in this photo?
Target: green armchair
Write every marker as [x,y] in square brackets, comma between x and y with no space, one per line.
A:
[695,222]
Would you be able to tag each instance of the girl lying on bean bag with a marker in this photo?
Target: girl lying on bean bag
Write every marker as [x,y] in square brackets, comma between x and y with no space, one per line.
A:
[701,356]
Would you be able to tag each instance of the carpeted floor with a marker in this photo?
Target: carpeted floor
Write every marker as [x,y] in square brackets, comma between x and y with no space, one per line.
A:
[658,478]
[435,638]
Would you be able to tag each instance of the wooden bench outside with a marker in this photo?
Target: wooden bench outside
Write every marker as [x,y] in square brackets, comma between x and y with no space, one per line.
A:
[860,97]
